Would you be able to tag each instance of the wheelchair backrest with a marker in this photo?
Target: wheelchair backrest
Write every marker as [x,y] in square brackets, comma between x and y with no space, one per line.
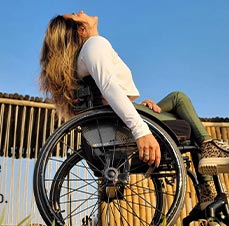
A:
[87,94]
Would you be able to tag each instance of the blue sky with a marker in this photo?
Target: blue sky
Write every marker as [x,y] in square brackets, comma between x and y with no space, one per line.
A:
[168,44]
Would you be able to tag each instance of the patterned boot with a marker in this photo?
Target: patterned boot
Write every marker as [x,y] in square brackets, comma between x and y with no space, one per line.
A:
[207,194]
[214,158]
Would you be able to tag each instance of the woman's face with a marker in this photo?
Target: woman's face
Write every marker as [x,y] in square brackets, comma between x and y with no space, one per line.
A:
[90,23]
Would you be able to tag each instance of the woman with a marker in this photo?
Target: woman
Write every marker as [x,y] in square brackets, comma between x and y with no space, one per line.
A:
[73,49]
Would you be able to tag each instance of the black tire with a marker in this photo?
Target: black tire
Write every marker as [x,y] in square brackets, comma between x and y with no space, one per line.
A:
[63,156]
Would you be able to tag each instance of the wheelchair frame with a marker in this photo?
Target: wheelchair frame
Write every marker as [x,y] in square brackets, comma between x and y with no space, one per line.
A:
[107,150]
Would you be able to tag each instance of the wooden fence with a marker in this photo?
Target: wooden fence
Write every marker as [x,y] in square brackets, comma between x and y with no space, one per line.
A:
[24,127]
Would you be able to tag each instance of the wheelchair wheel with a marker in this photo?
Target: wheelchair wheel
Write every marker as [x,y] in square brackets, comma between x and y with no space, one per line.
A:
[88,173]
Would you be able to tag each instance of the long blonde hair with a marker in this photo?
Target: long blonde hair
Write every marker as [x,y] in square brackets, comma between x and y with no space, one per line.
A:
[58,77]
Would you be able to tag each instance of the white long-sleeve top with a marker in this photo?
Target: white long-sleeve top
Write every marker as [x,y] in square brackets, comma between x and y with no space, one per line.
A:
[114,80]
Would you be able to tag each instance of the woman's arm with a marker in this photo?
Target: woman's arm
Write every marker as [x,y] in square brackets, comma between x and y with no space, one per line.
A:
[98,57]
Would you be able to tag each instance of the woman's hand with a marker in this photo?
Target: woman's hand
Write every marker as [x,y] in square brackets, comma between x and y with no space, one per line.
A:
[152,105]
[149,150]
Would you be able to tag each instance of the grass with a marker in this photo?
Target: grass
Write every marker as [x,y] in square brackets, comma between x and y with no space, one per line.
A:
[2,216]
[26,220]
[163,222]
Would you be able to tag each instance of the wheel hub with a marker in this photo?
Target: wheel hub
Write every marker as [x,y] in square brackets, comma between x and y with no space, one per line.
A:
[111,174]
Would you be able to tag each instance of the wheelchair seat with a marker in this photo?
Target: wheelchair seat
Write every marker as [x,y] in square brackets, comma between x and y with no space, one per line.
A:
[88,95]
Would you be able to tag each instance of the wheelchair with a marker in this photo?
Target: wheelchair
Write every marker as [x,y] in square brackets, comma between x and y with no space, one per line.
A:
[88,174]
